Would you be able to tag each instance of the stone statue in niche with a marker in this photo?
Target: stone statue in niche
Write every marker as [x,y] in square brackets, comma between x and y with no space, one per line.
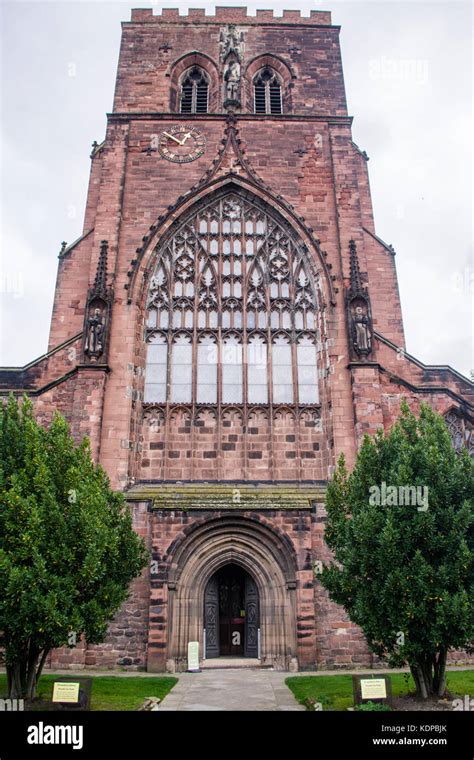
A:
[95,328]
[232,80]
[231,56]
[361,328]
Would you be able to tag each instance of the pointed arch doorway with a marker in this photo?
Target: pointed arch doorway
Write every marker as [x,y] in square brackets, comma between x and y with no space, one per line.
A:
[231,614]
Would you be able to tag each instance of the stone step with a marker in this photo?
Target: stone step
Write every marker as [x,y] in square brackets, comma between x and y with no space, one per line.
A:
[215,663]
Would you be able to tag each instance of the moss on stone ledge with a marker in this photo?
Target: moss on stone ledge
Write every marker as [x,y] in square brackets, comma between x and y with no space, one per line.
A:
[227,497]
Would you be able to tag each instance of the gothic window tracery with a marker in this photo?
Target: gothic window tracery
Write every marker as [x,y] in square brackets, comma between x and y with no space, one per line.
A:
[267,92]
[232,312]
[194,94]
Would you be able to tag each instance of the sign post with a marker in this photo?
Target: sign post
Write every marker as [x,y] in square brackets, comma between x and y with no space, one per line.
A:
[376,688]
[72,693]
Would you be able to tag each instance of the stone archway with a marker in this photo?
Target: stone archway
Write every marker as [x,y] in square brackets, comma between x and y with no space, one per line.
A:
[266,556]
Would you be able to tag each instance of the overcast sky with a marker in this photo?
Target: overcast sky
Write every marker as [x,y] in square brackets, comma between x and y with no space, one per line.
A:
[408,80]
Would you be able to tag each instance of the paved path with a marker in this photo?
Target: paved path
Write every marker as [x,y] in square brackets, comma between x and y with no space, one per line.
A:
[231,690]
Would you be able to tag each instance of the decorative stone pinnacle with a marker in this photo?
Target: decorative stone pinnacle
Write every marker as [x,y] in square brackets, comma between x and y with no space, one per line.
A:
[100,282]
[356,285]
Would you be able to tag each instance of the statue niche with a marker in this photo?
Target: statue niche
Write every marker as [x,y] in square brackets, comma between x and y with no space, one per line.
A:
[97,312]
[360,323]
[232,81]
[94,332]
[358,308]
[231,50]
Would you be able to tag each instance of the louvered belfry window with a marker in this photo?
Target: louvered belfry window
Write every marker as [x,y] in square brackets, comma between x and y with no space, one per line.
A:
[232,312]
[194,92]
[267,92]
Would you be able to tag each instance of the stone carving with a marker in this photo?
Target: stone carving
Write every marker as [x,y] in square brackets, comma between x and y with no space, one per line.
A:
[97,312]
[362,338]
[231,41]
[231,50]
[94,345]
[358,308]
[461,431]
[232,80]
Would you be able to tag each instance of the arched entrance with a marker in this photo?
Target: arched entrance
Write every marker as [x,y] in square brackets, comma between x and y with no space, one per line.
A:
[231,614]
[265,556]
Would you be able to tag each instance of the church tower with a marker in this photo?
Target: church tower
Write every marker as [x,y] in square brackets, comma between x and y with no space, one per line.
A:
[227,324]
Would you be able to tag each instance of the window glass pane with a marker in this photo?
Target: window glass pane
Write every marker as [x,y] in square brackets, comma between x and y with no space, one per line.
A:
[155,378]
[257,372]
[307,376]
[207,372]
[156,353]
[154,393]
[156,373]
[181,371]
[151,320]
[232,372]
[282,372]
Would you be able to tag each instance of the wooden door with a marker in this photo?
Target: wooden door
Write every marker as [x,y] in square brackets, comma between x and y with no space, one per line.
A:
[251,617]
[232,611]
[211,617]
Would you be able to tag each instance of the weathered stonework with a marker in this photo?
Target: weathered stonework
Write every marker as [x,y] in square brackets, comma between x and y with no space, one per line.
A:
[302,167]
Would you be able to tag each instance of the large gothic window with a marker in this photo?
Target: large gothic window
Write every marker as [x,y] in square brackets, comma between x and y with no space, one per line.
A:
[232,313]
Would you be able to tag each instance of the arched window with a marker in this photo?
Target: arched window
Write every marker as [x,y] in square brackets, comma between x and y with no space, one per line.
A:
[236,290]
[267,92]
[194,91]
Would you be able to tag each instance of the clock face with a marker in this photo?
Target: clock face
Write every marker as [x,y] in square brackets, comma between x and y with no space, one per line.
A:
[181,143]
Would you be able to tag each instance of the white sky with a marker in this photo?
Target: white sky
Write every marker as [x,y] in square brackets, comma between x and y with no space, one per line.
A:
[408,79]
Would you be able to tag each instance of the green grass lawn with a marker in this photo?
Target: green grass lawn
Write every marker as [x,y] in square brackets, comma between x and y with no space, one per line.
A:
[335,692]
[109,692]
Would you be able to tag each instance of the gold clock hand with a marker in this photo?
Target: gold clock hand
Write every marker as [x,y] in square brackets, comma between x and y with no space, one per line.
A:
[173,138]
[185,137]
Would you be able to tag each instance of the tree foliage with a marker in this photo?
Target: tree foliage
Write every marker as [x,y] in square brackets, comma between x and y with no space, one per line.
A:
[404,572]
[68,551]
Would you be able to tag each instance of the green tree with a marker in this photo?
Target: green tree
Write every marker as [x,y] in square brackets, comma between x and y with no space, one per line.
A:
[68,551]
[404,572]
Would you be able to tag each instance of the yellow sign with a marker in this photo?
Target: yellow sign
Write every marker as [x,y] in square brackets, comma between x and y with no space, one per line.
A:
[66,692]
[373,688]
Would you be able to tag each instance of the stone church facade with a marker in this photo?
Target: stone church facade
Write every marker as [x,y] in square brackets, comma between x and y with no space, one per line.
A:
[227,324]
